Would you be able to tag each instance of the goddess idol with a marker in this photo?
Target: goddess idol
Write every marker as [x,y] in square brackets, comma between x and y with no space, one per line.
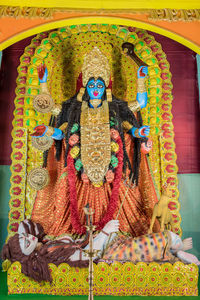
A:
[97,157]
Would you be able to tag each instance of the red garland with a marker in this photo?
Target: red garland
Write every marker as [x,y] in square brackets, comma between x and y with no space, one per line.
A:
[112,206]
[75,220]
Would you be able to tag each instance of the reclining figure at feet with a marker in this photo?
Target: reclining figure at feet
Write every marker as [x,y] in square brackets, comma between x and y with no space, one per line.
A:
[34,251]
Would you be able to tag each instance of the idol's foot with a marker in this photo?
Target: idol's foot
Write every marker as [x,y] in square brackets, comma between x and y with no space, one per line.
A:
[188,257]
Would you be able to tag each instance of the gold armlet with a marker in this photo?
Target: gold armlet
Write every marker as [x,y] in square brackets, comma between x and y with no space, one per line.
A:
[56,110]
[80,94]
[109,95]
[126,125]
[141,85]
[44,88]
[134,106]
[50,131]
[63,126]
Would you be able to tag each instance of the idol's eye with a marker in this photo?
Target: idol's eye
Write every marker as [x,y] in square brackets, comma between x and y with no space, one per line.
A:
[91,86]
[100,86]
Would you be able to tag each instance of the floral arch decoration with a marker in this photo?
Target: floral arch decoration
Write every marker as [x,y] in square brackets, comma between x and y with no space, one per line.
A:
[62,51]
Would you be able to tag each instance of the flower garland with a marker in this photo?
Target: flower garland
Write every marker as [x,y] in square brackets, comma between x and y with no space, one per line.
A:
[115,190]
[75,219]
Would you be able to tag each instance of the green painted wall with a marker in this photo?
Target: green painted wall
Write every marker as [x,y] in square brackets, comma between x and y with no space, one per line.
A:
[4,200]
[189,186]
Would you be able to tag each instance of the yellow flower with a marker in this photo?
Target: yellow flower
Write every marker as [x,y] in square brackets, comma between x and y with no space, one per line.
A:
[114,147]
[6,265]
[75,151]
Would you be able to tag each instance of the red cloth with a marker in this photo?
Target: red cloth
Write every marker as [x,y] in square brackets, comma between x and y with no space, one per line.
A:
[8,76]
[185,104]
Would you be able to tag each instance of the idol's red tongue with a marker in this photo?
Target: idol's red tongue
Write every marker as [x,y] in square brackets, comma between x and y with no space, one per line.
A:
[95,94]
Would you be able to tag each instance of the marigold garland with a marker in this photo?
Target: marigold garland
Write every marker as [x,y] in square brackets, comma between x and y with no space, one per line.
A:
[75,219]
[112,206]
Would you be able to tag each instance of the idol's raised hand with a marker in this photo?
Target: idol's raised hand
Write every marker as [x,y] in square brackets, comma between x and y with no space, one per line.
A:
[39,131]
[144,131]
[141,86]
[140,132]
[142,72]
[42,73]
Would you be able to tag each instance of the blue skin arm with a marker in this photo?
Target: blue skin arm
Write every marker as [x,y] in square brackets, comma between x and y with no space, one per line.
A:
[42,73]
[142,97]
[96,88]
[142,100]
[58,134]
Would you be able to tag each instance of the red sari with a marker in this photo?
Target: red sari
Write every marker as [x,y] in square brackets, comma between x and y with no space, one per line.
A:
[52,205]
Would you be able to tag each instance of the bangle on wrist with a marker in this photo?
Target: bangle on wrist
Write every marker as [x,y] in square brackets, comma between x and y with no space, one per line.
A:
[137,133]
[50,131]
[141,86]
[126,125]
[134,106]
[44,87]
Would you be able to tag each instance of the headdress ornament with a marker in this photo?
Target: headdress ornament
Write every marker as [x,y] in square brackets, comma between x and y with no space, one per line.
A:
[95,65]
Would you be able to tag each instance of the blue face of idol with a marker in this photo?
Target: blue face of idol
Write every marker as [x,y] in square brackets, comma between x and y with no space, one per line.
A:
[95,89]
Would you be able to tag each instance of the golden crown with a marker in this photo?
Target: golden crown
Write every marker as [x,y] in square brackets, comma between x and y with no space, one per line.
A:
[95,65]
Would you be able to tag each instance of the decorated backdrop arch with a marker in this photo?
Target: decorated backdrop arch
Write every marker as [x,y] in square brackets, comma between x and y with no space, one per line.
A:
[163,28]
[62,51]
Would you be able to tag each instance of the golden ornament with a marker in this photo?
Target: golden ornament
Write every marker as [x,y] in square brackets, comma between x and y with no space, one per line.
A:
[134,106]
[50,131]
[141,85]
[126,125]
[42,143]
[43,103]
[63,126]
[75,151]
[56,110]
[95,65]
[80,94]
[136,133]
[114,147]
[109,95]
[98,184]
[96,102]
[95,141]
[38,178]
[6,265]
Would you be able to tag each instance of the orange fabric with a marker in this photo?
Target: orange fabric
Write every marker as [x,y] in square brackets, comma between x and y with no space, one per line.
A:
[52,206]
[14,27]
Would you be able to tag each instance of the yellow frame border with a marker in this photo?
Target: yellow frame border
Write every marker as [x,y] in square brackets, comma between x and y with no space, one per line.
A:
[182,280]
[100,20]
[107,4]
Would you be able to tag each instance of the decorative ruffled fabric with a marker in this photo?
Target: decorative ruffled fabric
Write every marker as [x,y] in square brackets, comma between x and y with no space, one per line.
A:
[54,200]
